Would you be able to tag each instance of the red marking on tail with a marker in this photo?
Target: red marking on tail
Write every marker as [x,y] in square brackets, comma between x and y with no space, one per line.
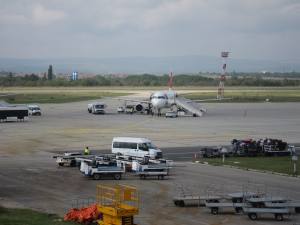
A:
[170,82]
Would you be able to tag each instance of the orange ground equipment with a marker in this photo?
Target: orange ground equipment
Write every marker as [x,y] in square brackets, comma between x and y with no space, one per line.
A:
[117,204]
[83,215]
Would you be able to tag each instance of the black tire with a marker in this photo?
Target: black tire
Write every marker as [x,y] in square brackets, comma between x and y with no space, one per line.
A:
[118,176]
[181,203]
[96,176]
[61,164]
[143,176]
[252,216]
[214,211]
[279,217]
[73,163]
[238,210]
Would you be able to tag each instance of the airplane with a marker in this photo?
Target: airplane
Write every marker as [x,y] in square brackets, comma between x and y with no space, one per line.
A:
[169,99]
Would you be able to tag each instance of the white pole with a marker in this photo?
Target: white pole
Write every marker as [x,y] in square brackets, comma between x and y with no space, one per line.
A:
[223,158]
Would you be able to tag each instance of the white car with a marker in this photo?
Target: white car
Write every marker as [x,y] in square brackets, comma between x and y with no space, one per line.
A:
[171,114]
[34,110]
[120,109]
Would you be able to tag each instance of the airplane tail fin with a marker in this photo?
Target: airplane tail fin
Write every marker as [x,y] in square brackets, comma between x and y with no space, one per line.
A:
[170,82]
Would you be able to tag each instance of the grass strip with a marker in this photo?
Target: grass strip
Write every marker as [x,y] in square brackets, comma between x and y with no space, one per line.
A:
[63,97]
[279,164]
[29,217]
[251,96]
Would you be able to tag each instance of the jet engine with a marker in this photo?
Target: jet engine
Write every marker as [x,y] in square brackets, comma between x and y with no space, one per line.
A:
[139,108]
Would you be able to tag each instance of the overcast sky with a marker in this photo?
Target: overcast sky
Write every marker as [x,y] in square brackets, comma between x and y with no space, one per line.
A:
[255,29]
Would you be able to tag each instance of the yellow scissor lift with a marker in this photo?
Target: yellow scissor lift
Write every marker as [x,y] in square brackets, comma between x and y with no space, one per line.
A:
[117,204]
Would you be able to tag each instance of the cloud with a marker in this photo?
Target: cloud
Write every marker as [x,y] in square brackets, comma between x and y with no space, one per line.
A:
[100,28]
[44,16]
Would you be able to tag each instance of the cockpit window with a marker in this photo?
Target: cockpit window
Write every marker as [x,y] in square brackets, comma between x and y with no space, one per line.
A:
[143,147]
[150,145]
[159,97]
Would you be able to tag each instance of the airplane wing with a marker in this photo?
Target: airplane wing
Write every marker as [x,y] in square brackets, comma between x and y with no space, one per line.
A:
[209,99]
[133,100]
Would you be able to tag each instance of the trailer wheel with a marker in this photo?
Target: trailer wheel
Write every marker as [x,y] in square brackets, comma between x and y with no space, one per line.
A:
[181,203]
[238,210]
[61,164]
[96,176]
[214,210]
[278,216]
[252,216]
[73,163]
[160,177]
[117,176]
[143,176]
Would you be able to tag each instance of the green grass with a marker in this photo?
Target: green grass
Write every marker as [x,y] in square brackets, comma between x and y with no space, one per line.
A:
[58,97]
[275,95]
[29,217]
[280,164]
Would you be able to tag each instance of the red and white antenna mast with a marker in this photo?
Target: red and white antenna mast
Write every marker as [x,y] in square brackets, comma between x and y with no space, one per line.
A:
[224,56]
[170,83]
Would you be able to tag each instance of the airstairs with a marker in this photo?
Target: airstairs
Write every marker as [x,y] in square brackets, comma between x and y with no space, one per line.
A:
[190,106]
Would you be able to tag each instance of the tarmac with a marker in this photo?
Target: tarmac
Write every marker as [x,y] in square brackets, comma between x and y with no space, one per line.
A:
[30,177]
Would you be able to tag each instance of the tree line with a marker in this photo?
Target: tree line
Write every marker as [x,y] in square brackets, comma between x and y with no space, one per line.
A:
[8,79]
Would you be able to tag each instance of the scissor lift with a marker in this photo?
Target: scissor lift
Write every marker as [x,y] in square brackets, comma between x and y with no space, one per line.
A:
[117,204]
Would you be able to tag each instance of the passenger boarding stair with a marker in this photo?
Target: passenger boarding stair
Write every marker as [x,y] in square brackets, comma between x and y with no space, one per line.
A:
[190,106]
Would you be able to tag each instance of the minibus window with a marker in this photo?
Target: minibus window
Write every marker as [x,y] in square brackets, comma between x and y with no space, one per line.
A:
[143,147]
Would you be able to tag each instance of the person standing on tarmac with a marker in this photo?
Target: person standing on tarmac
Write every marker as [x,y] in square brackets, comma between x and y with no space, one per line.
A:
[86,151]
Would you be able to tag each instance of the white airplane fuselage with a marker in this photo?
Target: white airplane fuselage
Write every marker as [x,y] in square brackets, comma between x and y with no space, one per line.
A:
[163,99]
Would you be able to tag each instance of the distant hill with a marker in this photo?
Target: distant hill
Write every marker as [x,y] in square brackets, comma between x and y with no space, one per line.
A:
[139,65]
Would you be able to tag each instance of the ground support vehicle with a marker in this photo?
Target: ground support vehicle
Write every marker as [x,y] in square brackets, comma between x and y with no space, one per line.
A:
[171,114]
[130,164]
[120,109]
[18,112]
[235,201]
[278,213]
[160,173]
[34,110]
[193,200]
[96,108]
[144,170]
[68,159]
[97,171]
[278,207]
[117,204]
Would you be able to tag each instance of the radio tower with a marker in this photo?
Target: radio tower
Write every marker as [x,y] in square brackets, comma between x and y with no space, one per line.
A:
[224,56]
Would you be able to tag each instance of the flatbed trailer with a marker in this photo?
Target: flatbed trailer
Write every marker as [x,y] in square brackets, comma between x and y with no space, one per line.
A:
[278,207]
[278,213]
[160,173]
[193,200]
[232,201]
[68,159]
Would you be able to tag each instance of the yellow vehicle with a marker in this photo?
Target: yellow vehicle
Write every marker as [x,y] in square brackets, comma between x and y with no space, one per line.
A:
[117,204]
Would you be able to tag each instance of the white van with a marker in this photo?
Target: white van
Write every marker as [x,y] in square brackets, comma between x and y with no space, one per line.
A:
[34,110]
[135,147]
[97,108]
